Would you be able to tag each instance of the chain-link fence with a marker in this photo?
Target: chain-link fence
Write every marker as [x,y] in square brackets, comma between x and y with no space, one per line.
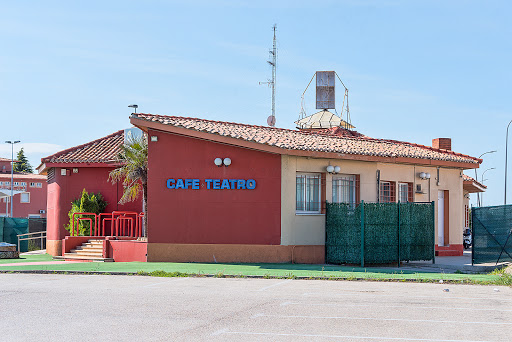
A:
[492,234]
[376,233]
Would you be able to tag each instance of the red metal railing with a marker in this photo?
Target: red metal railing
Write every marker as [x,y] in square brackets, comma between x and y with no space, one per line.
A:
[117,223]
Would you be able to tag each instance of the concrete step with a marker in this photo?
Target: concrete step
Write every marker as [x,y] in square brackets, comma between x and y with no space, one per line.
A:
[89,253]
[89,248]
[93,243]
[71,256]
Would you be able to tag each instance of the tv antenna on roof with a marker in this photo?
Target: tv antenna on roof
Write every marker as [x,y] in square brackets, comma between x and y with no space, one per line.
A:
[271,120]
[134,106]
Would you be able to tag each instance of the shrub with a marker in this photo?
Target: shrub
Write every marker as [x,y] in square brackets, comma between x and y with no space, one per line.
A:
[86,203]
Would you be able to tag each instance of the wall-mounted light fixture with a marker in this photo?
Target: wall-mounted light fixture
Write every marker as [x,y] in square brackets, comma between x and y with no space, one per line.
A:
[333,169]
[220,161]
[424,175]
[154,138]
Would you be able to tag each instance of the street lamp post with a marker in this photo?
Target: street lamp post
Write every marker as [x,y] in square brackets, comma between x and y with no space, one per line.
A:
[483,179]
[12,168]
[476,176]
[506,155]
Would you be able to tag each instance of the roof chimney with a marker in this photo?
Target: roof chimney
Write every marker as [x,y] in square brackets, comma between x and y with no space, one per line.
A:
[442,143]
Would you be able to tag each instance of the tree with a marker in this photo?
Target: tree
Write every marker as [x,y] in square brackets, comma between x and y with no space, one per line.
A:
[22,164]
[133,172]
[86,203]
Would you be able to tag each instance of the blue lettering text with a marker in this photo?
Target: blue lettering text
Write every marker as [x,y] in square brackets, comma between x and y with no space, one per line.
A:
[216,184]
[179,184]
[241,184]
[170,183]
[251,184]
[195,184]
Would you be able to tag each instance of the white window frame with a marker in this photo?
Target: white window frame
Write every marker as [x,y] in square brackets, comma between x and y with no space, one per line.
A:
[34,216]
[307,176]
[400,192]
[16,183]
[32,184]
[39,185]
[336,189]
[21,197]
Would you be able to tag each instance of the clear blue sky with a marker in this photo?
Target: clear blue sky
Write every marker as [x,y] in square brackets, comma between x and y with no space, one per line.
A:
[416,70]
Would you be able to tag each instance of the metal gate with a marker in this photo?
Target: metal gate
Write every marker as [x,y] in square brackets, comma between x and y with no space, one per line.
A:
[492,234]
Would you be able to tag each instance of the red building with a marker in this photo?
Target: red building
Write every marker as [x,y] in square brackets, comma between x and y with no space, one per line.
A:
[81,167]
[230,192]
[30,200]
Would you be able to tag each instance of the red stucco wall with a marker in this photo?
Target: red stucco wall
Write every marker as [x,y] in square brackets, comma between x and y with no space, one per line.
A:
[65,189]
[212,216]
[127,251]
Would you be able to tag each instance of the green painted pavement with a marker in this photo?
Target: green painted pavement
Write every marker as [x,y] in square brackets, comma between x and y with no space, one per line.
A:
[270,270]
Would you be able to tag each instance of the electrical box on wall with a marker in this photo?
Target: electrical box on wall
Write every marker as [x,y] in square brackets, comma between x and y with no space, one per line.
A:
[63,172]
[419,189]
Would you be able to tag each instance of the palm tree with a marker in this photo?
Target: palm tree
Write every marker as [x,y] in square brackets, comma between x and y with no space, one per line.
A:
[134,173]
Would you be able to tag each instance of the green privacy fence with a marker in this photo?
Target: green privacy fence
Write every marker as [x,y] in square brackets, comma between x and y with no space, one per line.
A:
[492,234]
[10,227]
[376,233]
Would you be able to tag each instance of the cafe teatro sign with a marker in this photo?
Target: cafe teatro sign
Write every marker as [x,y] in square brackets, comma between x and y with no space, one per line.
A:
[211,184]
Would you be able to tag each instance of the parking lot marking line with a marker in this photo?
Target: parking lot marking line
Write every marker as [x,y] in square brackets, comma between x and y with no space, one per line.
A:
[220,332]
[273,285]
[383,319]
[394,306]
[401,296]
[379,338]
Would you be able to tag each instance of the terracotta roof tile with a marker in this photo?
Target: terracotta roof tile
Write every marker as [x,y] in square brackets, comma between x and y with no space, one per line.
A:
[103,150]
[308,141]
[466,178]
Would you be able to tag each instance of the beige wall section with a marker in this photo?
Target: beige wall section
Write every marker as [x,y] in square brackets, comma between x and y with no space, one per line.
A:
[299,229]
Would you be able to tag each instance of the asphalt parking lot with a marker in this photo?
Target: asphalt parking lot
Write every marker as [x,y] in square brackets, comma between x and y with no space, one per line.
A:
[134,308]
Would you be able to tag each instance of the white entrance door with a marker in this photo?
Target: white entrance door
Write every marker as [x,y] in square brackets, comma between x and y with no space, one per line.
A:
[440,218]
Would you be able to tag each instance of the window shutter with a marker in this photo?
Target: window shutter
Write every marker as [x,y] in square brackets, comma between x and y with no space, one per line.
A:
[410,195]
[323,187]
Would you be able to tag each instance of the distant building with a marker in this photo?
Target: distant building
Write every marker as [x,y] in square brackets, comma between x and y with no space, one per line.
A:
[30,197]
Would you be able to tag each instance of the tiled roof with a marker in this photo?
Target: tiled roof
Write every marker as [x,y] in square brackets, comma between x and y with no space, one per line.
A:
[339,131]
[307,141]
[466,178]
[103,150]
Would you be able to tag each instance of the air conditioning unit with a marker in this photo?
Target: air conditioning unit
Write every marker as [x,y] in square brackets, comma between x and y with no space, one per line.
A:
[418,189]
[42,211]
